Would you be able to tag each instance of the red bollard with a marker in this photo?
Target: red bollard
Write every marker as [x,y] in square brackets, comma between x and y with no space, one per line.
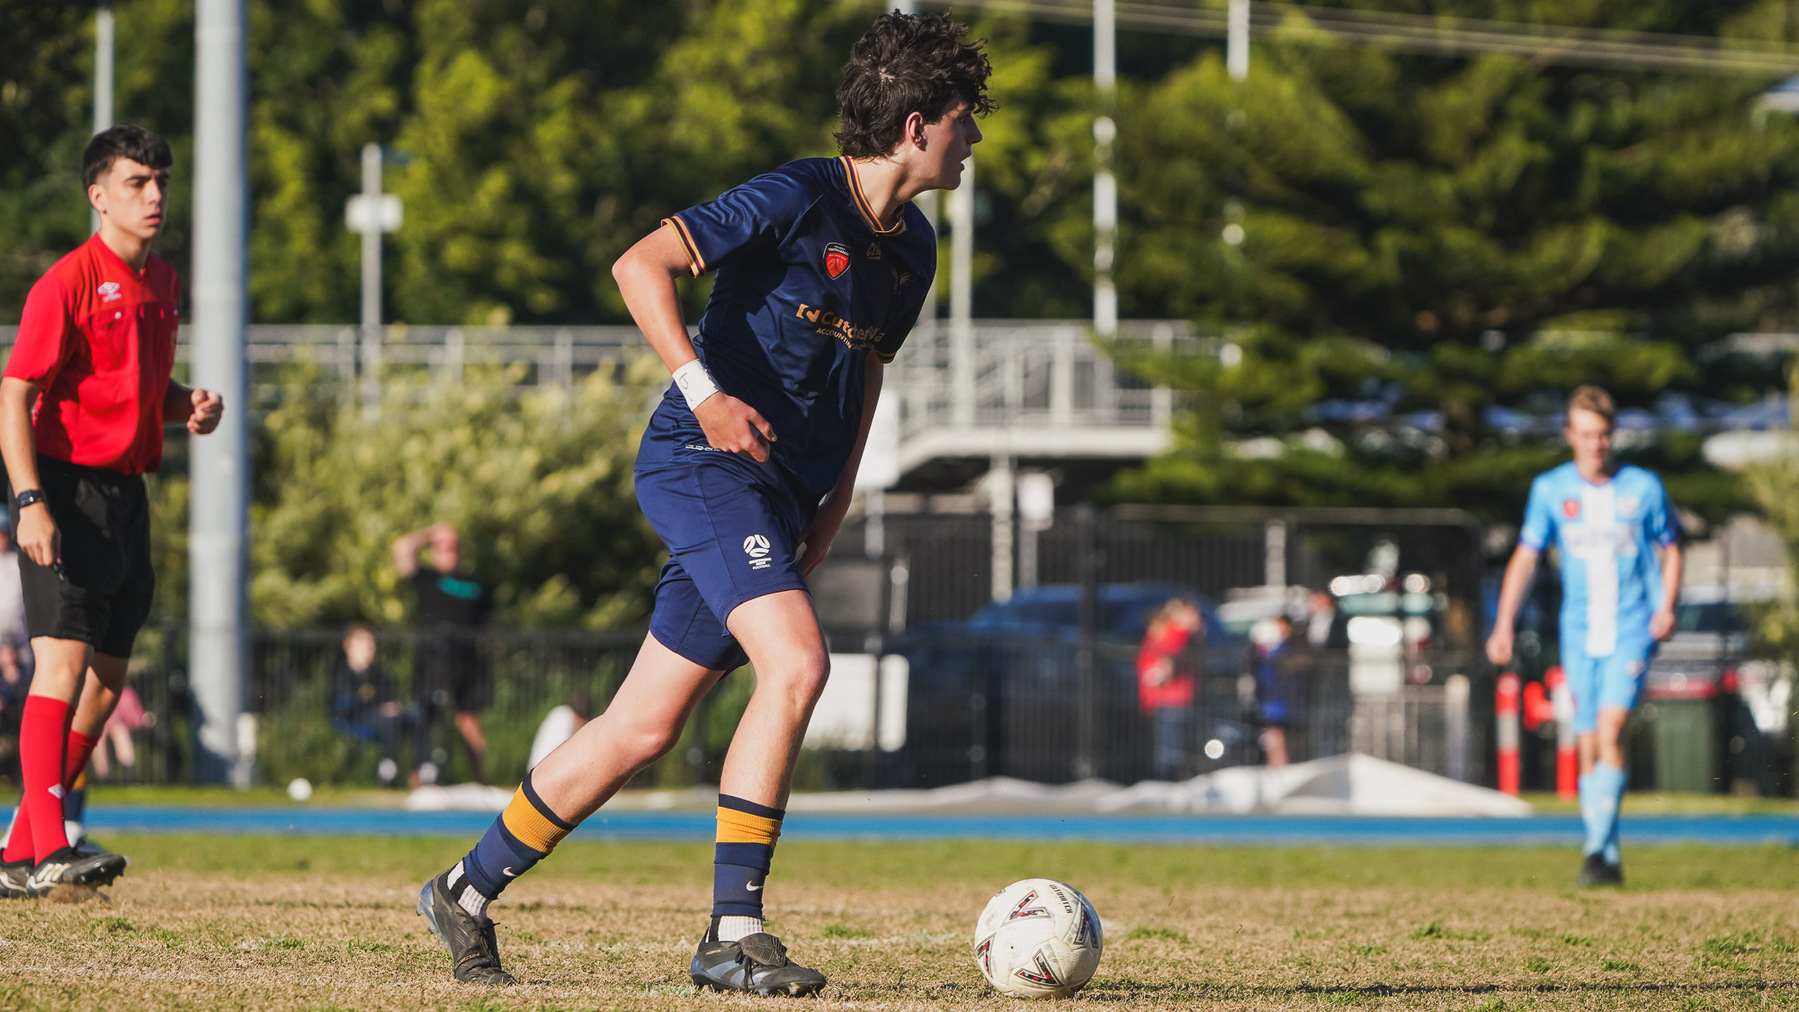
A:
[1505,709]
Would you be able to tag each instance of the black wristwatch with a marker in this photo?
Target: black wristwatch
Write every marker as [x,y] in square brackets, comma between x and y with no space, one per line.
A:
[29,497]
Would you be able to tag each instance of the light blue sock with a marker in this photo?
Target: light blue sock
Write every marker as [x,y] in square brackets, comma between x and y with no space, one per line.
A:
[1606,787]
[1586,806]
[1613,855]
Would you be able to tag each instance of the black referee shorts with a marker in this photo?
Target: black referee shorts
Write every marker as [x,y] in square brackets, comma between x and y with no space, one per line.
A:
[100,593]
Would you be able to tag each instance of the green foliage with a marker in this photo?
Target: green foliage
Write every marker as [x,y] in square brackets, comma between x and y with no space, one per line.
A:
[1444,237]
[538,482]
[1774,484]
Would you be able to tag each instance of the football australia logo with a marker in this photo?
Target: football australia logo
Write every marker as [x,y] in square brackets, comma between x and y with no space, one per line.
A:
[837,260]
[756,547]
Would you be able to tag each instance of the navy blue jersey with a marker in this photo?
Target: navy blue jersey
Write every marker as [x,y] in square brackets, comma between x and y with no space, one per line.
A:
[808,285]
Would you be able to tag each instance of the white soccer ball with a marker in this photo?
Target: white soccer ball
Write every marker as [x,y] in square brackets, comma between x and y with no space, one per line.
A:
[299,788]
[1038,938]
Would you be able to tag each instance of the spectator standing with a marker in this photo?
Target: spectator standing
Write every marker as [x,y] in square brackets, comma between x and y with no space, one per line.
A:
[1280,688]
[1328,697]
[452,609]
[1165,685]
[1327,628]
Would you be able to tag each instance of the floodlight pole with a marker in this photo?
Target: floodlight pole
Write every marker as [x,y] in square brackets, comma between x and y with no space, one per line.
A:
[103,87]
[1105,184]
[219,474]
[371,279]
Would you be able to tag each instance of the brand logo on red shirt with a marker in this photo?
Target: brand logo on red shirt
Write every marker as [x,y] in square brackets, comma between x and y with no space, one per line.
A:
[837,259]
[109,291]
[1571,508]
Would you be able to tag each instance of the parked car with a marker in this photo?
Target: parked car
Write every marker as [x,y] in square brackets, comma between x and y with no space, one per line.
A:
[1711,637]
[1005,691]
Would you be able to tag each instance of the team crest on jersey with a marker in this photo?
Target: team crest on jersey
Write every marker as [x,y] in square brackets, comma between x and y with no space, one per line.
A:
[837,259]
[109,291]
[1571,508]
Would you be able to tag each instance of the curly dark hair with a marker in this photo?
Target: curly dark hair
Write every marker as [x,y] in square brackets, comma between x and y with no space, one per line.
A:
[907,63]
[122,141]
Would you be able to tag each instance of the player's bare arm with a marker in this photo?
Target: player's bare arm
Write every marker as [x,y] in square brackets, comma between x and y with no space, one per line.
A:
[200,410]
[37,536]
[646,278]
[1518,573]
[1661,626]
[815,540]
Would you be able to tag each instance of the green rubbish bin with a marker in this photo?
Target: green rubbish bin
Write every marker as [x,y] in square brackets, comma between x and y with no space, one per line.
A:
[1686,737]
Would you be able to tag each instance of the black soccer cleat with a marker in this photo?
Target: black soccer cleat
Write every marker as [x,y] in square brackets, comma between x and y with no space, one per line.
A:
[1594,871]
[13,879]
[86,847]
[473,950]
[755,964]
[71,868]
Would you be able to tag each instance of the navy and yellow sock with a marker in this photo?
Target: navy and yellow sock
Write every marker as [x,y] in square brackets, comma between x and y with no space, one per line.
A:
[523,835]
[747,833]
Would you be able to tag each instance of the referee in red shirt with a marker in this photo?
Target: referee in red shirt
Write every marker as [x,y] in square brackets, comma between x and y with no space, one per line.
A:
[94,354]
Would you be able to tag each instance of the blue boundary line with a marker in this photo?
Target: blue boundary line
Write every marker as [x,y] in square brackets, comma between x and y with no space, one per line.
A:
[1543,830]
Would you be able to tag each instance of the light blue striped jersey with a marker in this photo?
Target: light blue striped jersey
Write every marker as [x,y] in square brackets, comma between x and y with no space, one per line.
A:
[1607,533]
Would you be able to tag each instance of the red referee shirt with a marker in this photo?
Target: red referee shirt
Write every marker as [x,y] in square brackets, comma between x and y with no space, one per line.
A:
[99,339]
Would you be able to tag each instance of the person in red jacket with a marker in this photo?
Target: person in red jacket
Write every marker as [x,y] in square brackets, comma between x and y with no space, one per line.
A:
[1164,686]
[83,400]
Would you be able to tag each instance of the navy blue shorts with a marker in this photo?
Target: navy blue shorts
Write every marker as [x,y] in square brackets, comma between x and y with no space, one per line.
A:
[731,526]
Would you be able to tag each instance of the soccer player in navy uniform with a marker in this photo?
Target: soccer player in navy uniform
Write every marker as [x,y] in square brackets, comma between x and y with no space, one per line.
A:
[1609,521]
[85,395]
[745,471]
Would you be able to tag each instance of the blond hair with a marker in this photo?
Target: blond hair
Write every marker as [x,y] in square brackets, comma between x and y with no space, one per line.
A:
[1591,398]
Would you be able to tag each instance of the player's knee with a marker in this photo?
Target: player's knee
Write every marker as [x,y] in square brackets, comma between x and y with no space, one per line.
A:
[648,744]
[801,679]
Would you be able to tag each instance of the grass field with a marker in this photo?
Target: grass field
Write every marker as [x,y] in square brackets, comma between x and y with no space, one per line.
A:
[292,923]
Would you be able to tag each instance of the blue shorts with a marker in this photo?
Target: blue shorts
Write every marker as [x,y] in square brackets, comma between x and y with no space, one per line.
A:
[731,526]
[1605,681]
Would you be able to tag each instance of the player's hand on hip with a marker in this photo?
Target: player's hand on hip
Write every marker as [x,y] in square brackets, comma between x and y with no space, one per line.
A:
[209,407]
[733,426]
[1662,625]
[1499,647]
[38,537]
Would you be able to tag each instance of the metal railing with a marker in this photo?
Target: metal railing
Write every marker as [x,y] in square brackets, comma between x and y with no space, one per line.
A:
[1032,387]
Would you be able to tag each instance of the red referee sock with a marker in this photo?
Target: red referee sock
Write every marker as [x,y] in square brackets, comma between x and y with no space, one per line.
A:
[19,846]
[43,758]
[80,750]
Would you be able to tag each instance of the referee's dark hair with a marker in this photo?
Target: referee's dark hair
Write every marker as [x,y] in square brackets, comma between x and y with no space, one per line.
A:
[907,63]
[122,141]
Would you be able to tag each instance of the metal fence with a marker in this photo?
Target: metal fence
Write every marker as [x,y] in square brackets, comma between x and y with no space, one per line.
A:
[1055,712]
[966,708]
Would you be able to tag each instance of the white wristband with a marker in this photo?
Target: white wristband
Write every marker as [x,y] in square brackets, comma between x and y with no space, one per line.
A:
[695,383]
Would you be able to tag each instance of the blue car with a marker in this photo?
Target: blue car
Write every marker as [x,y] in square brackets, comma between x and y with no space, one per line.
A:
[1014,691]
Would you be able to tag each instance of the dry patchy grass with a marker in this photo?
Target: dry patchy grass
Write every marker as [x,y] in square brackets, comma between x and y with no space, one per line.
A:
[314,924]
